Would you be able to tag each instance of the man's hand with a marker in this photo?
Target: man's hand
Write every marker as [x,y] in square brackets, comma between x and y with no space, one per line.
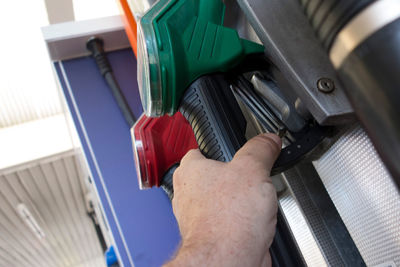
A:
[227,211]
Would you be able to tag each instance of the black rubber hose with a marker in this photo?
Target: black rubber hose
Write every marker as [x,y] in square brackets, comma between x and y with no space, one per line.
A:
[96,46]
[370,72]
[328,17]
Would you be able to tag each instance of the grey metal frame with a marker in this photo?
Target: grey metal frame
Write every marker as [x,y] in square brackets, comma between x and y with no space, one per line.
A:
[292,46]
[68,40]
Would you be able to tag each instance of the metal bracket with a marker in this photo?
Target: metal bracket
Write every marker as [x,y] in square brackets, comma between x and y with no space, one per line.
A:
[292,46]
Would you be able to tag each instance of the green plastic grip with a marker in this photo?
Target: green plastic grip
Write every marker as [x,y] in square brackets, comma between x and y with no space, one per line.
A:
[192,42]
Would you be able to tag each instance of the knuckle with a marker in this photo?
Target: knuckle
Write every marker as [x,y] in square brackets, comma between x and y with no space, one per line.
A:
[189,155]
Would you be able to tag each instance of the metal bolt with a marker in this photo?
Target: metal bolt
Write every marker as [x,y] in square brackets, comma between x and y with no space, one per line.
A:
[325,85]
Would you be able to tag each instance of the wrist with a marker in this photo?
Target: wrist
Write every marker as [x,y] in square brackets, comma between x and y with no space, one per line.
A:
[194,254]
[216,251]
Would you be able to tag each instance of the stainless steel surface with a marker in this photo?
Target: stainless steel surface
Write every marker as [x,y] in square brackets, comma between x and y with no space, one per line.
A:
[319,211]
[236,19]
[365,196]
[285,112]
[253,127]
[301,231]
[292,46]
[367,22]
[276,101]
[53,191]
[302,109]
[261,111]
[267,119]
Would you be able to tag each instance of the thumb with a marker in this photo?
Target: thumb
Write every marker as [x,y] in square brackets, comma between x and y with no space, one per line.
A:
[262,149]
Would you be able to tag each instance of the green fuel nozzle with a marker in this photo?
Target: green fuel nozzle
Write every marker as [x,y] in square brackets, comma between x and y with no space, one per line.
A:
[179,41]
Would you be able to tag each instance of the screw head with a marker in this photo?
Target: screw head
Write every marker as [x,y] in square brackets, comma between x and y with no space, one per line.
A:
[325,85]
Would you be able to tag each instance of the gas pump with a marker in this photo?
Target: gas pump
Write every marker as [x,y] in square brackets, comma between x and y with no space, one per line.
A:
[323,66]
[188,61]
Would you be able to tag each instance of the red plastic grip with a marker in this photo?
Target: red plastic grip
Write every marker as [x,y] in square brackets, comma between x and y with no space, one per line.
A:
[160,143]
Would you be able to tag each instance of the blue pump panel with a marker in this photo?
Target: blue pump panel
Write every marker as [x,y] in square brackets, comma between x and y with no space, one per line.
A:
[142,223]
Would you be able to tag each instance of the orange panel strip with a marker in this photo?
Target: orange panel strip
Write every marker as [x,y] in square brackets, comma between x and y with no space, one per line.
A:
[130,24]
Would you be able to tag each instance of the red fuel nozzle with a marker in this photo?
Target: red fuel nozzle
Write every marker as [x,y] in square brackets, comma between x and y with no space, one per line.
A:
[158,144]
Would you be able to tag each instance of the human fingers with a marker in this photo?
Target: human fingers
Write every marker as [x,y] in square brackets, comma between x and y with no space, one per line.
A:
[262,149]
[185,166]
[192,155]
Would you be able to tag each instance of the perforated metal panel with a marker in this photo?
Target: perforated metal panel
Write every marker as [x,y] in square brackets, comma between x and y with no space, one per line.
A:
[301,231]
[365,196]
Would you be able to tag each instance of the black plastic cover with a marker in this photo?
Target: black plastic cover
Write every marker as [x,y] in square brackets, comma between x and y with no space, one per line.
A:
[372,75]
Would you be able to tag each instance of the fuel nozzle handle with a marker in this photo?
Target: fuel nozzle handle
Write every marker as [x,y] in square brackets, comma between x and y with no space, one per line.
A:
[216,119]
[219,126]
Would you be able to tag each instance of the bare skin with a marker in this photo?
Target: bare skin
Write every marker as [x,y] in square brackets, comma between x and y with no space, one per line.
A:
[227,211]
